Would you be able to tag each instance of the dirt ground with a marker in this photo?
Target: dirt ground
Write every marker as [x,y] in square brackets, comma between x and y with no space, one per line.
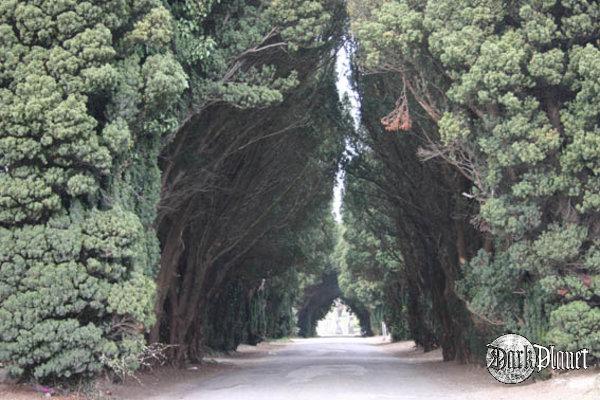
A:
[165,380]
[582,385]
[148,383]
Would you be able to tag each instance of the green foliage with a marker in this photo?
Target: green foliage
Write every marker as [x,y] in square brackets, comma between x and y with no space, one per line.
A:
[367,270]
[81,82]
[72,291]
[302,23]
[574,326]
[511,90]
[250,311]
[229,48]
[249,170]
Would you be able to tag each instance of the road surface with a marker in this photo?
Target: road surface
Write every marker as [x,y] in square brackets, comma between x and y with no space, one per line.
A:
[357,368]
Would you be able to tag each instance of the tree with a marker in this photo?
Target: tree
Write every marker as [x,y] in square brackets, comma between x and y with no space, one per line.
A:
[257,148]
[509,89]
[86,90]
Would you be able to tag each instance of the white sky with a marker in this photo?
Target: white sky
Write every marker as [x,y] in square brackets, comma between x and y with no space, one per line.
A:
[344,88]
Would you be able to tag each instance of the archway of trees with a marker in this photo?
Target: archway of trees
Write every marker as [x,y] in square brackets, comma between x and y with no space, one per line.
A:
[317,301]
[166,170]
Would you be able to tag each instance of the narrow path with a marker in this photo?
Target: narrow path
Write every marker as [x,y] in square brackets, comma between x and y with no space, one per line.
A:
[357,368]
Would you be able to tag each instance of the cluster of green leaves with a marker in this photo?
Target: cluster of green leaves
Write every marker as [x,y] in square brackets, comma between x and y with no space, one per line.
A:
[367,270]
[511,88]
[229,48]
[86,90]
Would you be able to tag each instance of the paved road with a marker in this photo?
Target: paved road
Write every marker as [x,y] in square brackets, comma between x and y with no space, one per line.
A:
[358,369]
[324,368]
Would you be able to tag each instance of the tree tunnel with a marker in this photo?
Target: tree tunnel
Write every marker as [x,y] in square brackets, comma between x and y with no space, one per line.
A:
[167,169]
[317,301]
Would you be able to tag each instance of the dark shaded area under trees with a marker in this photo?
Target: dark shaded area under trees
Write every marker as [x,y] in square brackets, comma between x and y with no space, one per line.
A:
[316,303]
[240,185]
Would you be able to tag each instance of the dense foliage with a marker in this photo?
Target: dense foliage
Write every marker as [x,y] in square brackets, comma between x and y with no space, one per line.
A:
[85,89]
[407,232]
[166,170]
[369,269]
[249,169]
[206,109]
[505,93]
